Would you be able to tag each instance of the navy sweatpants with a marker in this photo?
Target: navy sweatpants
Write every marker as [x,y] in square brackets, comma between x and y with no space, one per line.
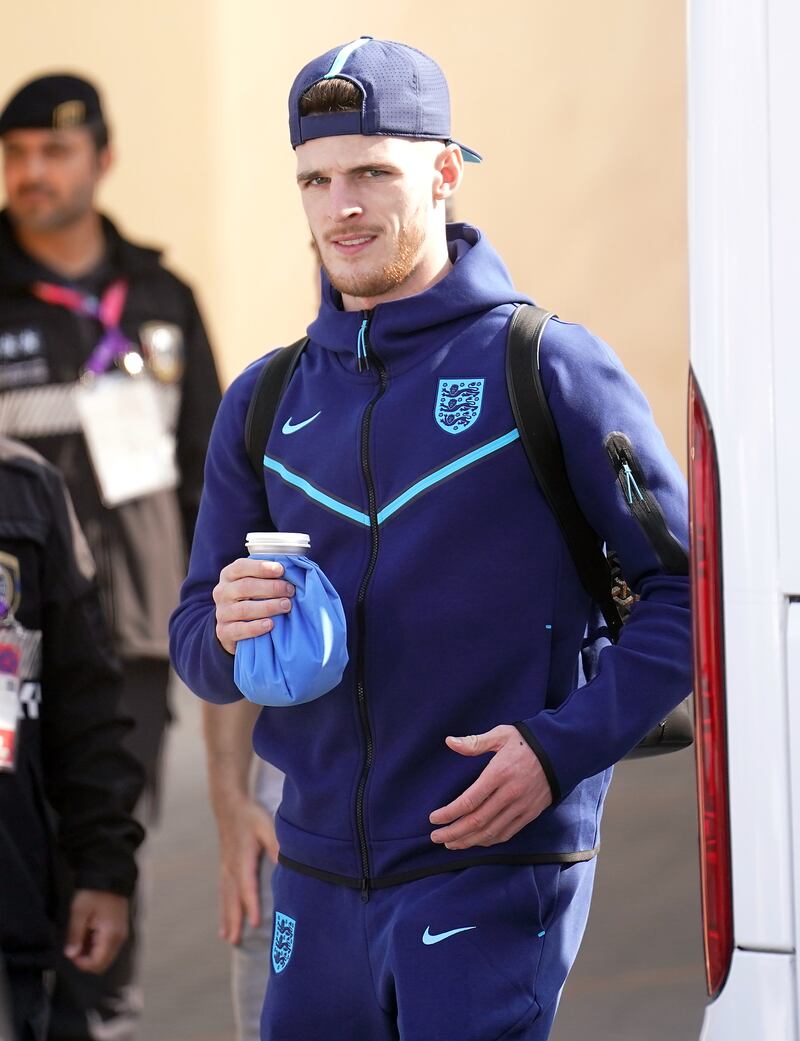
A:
[479,954]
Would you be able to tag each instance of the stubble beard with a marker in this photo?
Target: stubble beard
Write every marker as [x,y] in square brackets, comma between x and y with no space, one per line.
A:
[394,273]
[57,217]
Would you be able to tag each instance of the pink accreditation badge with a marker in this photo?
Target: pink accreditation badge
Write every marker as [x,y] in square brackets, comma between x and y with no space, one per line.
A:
[11,654]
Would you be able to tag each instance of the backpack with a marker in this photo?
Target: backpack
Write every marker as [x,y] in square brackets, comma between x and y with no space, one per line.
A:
[598,568]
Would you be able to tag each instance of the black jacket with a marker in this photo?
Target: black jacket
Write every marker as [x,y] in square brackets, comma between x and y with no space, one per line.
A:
[69,756]
[139,547]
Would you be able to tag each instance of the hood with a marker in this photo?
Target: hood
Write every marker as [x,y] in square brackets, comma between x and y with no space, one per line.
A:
[400,330]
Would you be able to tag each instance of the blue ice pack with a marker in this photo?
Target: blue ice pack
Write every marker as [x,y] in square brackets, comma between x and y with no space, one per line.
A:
[305,653]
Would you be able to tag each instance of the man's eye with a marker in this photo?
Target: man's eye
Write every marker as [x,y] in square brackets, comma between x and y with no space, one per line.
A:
[316,181]
[375,173]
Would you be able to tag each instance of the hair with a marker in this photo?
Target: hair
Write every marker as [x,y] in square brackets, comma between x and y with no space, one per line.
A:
[99,133]
[333,95]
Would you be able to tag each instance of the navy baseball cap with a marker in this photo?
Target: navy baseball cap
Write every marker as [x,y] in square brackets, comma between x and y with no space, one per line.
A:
[404,94]
[53,103]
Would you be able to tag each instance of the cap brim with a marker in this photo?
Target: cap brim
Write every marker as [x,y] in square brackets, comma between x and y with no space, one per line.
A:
[470,155]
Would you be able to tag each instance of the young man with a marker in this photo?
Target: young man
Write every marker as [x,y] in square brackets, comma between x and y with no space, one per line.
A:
[106,370]
[430,884]
[60,747]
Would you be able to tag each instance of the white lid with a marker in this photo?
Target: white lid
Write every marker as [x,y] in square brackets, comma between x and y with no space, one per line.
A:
[277,541]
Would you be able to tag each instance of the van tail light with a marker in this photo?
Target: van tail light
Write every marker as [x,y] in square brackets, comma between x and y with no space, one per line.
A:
[709,693]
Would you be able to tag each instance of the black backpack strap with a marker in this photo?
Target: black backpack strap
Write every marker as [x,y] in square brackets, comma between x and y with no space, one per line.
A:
[272,382]
[539,437]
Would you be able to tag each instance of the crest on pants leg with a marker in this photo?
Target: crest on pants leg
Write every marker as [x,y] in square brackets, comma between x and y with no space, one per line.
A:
[282,941]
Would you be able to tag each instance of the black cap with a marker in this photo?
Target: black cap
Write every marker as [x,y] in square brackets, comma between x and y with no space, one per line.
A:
[53,103]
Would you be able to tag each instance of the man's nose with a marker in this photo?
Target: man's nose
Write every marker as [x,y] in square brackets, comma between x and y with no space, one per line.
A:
[30,167]
[342,202]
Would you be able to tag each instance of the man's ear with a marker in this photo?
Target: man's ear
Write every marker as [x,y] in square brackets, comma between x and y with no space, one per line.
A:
[105,160]
[449,171]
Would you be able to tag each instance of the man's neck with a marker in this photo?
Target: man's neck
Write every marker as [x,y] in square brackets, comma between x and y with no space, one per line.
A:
[72,251]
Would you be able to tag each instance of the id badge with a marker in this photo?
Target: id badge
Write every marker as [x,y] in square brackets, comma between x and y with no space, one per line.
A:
[11,666]
[131,448]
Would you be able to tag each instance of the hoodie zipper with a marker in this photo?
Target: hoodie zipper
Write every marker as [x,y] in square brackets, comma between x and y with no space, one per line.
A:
[644,506]
[364,352]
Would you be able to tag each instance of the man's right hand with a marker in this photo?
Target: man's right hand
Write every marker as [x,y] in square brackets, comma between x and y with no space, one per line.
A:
[249,594]
[246,833]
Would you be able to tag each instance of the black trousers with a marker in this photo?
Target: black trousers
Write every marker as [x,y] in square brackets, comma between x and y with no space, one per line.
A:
[86,1007]
[25,1005]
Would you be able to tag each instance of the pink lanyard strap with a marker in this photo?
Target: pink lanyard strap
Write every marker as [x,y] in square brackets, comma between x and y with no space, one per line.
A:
[107,310]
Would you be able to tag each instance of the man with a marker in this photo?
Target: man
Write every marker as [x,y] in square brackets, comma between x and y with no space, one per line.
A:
[244,801]
[106,370]
[60,744]
[430,884]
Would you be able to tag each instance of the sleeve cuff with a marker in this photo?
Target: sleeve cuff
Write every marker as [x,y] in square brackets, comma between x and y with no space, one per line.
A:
[106,882]
[537,749]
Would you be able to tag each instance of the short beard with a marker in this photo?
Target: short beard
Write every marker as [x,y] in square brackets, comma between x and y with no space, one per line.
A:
[60,217]
[393,274]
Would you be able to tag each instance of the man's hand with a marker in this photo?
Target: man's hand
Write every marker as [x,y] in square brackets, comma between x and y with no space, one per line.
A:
[98,926]
[246,833]
[511,791]
[249,594]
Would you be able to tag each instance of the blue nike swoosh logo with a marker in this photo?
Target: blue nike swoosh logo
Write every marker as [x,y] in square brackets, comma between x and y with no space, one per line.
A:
[428,937]
[290,428]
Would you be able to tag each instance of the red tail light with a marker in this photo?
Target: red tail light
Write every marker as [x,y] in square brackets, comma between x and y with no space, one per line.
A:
[709,691]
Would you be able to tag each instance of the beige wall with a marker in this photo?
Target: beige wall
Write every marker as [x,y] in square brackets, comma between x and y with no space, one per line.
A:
[578,108]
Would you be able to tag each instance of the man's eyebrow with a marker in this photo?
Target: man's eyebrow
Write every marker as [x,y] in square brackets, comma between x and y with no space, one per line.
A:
[309,175]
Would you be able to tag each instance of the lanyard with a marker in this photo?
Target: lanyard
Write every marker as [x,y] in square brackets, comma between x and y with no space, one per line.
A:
[107,310]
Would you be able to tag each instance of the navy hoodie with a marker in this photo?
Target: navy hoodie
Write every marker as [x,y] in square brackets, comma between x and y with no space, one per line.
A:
[463,607]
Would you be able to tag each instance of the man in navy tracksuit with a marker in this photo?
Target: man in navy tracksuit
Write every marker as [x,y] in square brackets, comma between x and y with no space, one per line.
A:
[430,886]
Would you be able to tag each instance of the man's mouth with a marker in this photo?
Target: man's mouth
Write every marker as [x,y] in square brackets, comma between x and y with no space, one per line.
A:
[348,244]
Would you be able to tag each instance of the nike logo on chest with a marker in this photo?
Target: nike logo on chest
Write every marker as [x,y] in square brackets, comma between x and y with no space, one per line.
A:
[291,428]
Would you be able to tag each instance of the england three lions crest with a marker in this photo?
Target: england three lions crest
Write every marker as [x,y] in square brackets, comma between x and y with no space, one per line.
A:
[282,941]
[458,404]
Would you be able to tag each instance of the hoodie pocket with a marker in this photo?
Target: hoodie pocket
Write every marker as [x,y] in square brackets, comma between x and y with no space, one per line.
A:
[644,506]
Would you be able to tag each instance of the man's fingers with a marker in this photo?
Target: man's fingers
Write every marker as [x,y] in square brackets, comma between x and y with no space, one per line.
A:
[468,802]
[77,929]
[249,610]
[230,909]
[250,567]
[478,744]
[483,819]
[254,589]
[102,939]
[496,822]
[248,890]
[266,838]
[105,941]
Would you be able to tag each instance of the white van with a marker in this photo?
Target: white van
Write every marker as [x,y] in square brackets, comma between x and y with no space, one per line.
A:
[744,262]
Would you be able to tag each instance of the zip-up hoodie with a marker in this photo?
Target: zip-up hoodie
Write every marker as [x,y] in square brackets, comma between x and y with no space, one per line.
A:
[395,448]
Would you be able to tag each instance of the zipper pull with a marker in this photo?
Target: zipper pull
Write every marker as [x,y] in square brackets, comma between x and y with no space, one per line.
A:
[364,890]
[361,346]
[631,484]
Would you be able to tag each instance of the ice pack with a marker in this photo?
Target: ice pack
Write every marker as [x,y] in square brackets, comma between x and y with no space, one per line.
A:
[305,653]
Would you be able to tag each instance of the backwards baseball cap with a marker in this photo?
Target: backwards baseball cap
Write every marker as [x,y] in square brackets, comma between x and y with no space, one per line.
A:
[54,103]
[404,94]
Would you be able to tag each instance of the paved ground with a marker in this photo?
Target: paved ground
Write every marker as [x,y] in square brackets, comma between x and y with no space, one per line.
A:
[639,975]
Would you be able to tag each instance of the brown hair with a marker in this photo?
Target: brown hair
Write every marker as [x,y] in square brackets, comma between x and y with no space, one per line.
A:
[333,95]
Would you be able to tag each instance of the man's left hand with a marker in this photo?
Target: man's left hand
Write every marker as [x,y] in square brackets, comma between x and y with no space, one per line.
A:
[98,925]
[511,791]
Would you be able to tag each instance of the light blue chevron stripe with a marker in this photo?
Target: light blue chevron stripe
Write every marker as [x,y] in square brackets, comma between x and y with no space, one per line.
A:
[445,472]
[314,493]
[343,55]
[410,493]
